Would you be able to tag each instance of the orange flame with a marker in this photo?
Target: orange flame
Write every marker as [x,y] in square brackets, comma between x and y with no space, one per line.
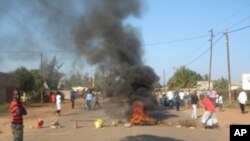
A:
[139,117]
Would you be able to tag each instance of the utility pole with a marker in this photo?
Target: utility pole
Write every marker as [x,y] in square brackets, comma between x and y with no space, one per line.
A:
[42,77]
[228,67]
[211,55]
[93,81]
[164,86]
[164,78]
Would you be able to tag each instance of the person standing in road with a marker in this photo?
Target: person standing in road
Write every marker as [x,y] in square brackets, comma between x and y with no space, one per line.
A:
[89,98]
[194,102]
[220,102]
[72,99]
[209,119]
[58,103]
[52,98]
[17,111]
[96,100]
[242,98]
[177,101]
[170,96]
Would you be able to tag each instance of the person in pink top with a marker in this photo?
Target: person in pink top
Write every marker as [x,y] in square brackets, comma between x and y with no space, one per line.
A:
[208,119]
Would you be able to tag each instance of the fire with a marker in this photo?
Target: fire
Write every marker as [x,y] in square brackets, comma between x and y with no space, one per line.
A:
[139,117]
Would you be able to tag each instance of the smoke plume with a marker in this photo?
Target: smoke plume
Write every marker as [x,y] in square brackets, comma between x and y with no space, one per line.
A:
[98,32]
[106,41]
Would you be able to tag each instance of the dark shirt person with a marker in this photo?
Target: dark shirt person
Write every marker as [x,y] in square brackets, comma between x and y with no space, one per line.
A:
[72,99]
[177,101]
[194,102]
[17,111]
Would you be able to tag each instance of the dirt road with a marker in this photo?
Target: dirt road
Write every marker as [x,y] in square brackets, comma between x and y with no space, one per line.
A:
[87,131]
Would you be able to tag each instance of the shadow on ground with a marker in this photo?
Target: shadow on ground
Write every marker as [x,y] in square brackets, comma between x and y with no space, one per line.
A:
[70,114]
[148,138]
[161,113]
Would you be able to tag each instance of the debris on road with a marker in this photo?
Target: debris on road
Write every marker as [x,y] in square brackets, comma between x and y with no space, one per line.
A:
[128,125]
[114,124]
[99,123]
[55,124]
[39,123]
[187,123]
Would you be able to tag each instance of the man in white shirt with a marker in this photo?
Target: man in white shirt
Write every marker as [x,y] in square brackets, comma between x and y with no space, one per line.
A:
[170,96]
[242,98]
[58,103]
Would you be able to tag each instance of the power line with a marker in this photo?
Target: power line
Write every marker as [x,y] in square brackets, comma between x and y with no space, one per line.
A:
[9,51]
[21,8]
[234,14]
[43,51]
[204,52]
[195,59]
[195,37]
[177,40]
[148,44]
[241,21]
[202,36]
[239,29]
[195,50]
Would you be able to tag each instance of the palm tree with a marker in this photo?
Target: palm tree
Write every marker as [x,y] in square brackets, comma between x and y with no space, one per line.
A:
[183,78]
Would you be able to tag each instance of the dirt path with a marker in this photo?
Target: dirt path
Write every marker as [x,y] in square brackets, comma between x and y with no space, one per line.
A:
[87,131]
[35,111]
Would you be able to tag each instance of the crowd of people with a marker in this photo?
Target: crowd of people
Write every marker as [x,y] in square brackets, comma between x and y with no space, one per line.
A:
[207,99]
[187,99]
[90,99]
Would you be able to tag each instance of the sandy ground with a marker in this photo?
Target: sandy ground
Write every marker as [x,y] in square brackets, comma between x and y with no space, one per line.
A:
[166,131]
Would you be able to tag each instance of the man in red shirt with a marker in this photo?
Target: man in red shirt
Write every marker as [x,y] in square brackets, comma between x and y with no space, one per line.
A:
[208,119]
[17,111]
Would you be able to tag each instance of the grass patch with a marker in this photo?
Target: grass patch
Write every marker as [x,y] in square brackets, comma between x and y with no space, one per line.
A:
[187,123]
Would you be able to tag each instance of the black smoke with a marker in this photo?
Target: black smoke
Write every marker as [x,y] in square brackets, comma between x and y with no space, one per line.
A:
[97,31]
[104,38]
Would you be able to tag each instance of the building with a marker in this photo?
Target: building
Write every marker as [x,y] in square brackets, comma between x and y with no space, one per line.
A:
[7,82]
[235,85]
[203,85]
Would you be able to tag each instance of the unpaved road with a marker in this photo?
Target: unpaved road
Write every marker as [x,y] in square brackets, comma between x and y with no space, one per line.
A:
[87,131]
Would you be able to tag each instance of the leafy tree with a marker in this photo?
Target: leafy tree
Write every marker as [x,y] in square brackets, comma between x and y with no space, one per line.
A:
[221,84]
[87,80]
[26,79]
[74,80]
[51,73]
[99,80]
[183,78]
[37,79]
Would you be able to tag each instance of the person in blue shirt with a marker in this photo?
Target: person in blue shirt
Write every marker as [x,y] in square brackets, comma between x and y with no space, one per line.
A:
[89,98]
